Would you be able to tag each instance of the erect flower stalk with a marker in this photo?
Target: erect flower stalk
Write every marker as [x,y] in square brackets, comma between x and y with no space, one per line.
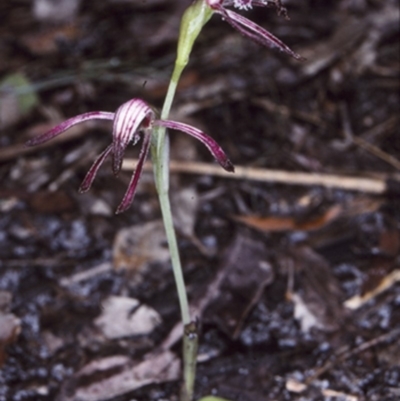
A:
[193,20]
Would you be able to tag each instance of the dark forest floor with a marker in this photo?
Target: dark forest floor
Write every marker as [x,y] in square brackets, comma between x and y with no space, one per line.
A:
[296,287]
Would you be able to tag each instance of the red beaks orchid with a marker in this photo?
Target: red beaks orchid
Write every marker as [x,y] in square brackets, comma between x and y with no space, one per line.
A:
[249,28]
[132,119]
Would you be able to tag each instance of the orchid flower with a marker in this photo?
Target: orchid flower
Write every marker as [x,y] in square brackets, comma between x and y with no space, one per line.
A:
[132,119]
[247,27]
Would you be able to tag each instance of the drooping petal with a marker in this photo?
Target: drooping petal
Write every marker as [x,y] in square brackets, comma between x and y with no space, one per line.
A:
[130,193]
[209,142]
[65,125]
[128,119]
[256,32]
[91,174]
[249,28]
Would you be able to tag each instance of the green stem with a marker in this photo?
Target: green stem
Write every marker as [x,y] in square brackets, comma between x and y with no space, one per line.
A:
[192,22]
[190,345]
[175,259]
[160,146]
[160,153]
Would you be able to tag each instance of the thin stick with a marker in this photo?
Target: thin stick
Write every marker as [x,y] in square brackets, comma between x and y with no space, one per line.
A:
[359,300]
[350,183]
[345,354]
[369,147]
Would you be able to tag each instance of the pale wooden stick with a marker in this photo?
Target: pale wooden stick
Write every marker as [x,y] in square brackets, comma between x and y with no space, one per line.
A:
[359,300]
[351,183]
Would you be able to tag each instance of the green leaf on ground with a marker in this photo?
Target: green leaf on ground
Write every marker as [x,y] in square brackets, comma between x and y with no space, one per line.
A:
[17,98]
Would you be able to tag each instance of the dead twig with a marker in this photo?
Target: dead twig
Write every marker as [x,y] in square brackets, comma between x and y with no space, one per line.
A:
[387,282]
[346,353]
[350,183]
[350,139]
[369,147]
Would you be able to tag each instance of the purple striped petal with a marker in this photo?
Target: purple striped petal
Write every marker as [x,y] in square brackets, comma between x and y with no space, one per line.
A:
[91,174]
[256,32]
[128,119]
[210,143]
[130,193]
[65,125]
[249,28]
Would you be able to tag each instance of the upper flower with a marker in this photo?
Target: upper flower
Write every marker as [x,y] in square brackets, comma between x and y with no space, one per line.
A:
[247,27]
[133,118]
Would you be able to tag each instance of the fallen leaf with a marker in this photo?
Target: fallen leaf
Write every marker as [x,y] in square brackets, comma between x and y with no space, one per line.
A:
[389,242]
[10,327]
[279,224]
[185,202]
[5,300]
[212,398]
[247,274]
[51,202]
[52,342]
[47,41]
[295,386]
[305,315]
[316,293]
[124,317]
[55,11]
[117,375]
[137,246]
[382,262]
[339,395]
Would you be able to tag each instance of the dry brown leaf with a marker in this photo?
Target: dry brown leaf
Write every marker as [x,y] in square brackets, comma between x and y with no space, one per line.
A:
[247,273]
[316,294]
[51,202]
[389,242]
[47,41]
[279,224]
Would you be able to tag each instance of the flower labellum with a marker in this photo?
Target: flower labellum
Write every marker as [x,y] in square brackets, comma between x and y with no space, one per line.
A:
[242,4]
[132,119]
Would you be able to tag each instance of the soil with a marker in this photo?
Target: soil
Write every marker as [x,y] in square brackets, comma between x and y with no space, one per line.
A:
[295,287]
